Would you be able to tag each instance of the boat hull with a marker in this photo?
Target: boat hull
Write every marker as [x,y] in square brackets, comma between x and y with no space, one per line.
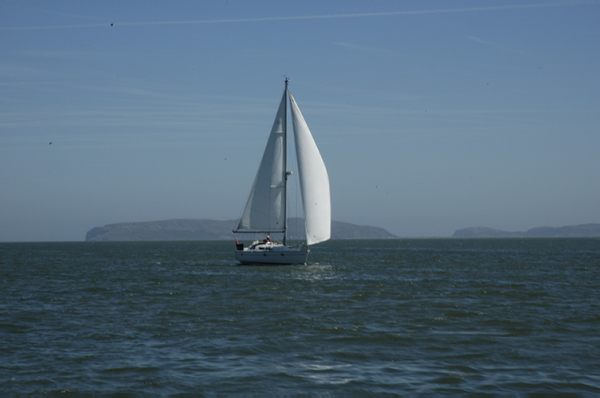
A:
[282,255]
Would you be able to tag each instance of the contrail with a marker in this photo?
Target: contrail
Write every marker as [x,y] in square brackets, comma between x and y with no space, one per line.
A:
[305,17]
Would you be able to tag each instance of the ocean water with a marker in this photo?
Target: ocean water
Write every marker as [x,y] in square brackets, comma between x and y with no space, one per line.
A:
[430,316]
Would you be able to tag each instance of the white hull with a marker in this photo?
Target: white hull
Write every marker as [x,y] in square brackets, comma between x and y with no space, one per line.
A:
[272,254]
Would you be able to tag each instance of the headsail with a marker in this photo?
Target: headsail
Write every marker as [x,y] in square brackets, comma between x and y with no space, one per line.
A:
[314,181]
[265,210]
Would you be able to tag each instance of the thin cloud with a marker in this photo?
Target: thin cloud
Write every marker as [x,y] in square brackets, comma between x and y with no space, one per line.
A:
[478,40]
[124,90]
[305,17]
[360,48]
[64,54]
[497,46]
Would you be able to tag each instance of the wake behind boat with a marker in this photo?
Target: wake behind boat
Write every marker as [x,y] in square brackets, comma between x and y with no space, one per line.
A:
[265,210]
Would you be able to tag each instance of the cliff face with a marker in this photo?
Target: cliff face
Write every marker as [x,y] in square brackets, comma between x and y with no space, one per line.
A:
[186,229]
[572,231]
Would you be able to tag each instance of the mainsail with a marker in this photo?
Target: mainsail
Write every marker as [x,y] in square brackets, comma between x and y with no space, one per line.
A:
[266,207]
[314,181]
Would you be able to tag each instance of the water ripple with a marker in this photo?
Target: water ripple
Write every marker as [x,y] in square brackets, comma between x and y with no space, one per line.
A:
[508,316]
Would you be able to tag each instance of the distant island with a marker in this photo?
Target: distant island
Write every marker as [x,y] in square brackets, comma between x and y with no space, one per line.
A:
[572,231]
[203,229]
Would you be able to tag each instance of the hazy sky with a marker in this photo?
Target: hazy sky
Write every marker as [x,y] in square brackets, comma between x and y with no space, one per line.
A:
[430,115]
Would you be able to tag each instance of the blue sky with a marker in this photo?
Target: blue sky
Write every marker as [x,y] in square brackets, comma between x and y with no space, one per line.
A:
[430,115]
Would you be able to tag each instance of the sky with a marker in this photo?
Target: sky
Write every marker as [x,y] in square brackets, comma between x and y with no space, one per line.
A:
[431,116]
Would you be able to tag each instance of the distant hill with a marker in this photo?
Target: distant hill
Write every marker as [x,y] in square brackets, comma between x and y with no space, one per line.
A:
[572,231]
[191,229]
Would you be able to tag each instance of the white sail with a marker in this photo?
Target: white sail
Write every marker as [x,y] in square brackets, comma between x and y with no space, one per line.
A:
[314,181]
[265,209]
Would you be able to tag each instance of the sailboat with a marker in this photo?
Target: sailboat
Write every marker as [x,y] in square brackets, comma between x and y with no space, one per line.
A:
[266,208]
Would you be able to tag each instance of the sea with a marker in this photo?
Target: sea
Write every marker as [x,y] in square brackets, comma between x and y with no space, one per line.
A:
[362,318]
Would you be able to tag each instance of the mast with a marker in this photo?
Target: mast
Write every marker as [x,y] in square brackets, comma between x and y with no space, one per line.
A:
[285,163]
